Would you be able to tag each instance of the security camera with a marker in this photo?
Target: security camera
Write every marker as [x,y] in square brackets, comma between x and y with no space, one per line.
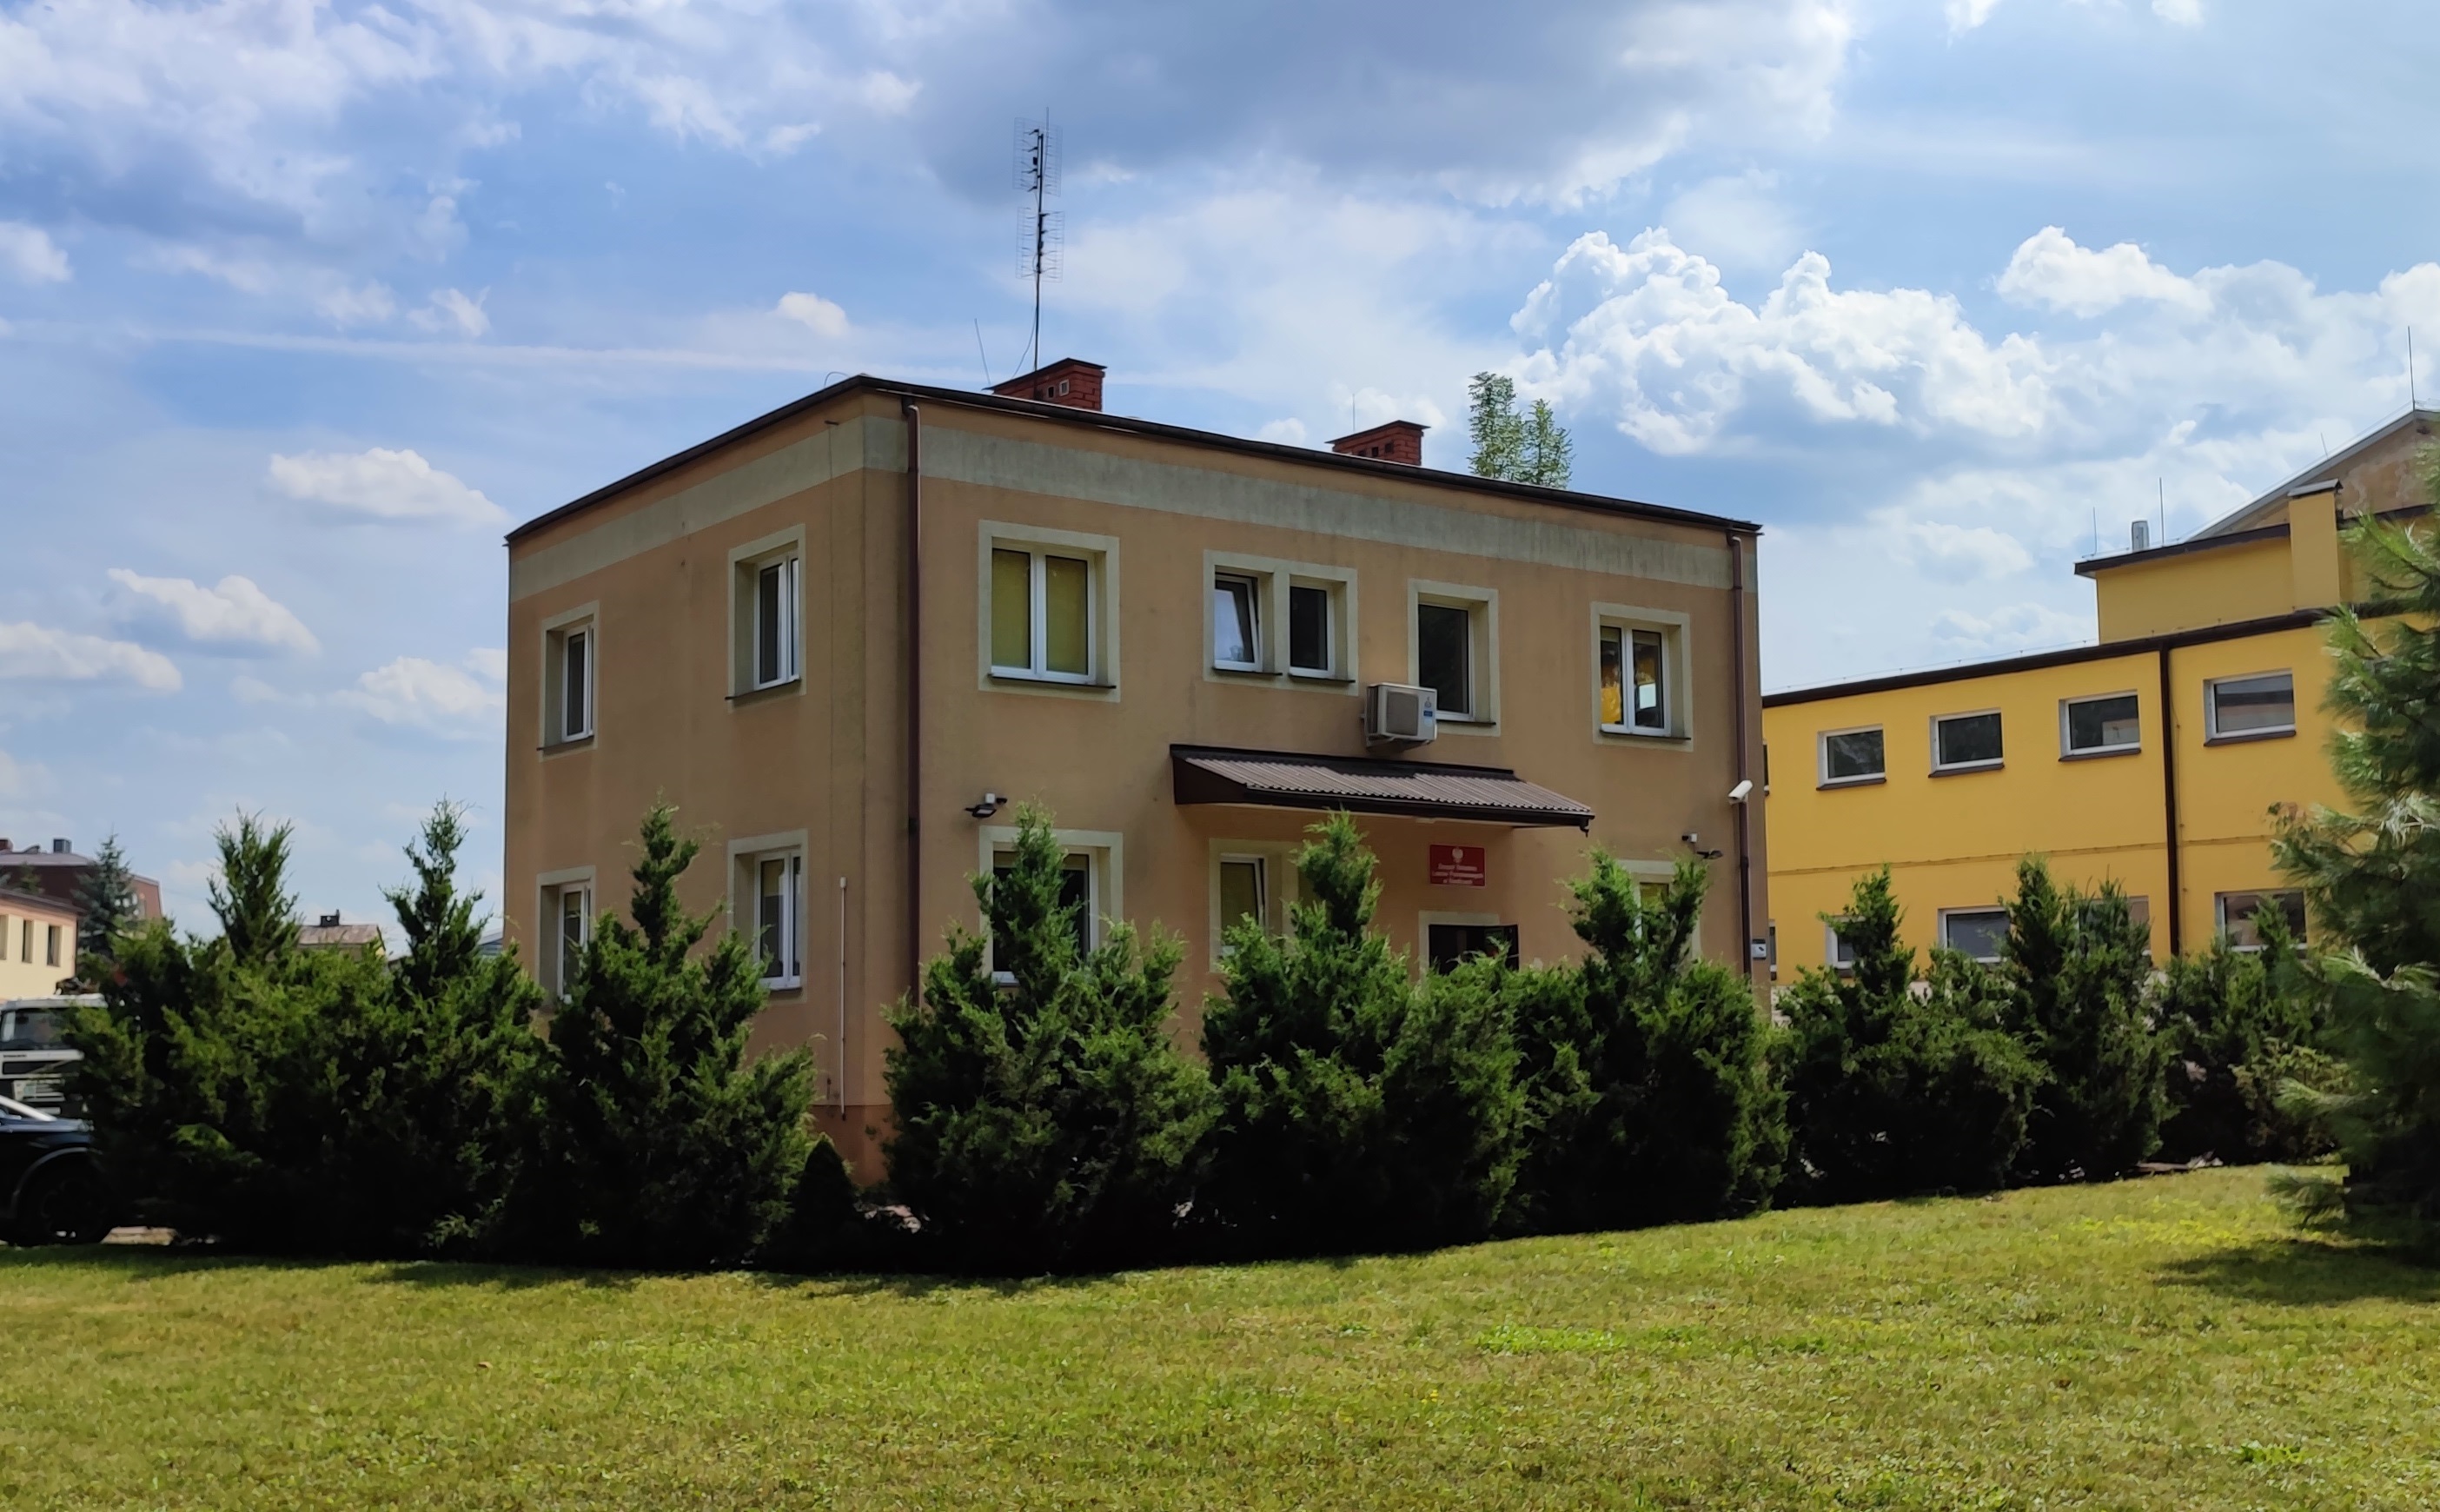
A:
[1742,791]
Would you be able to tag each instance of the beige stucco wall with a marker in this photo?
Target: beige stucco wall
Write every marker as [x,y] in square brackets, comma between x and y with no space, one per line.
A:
[827,758]
[26,973]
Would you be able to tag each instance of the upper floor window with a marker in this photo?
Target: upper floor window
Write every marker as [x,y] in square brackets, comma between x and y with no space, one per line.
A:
[1270,617]
[1313,628]
[1639,664]
[570,662]
[2243,708]
[2098,727]
[1965,743]
[1454,641]
[1853,756]
[778,620]
[1236,622]
[1047,614]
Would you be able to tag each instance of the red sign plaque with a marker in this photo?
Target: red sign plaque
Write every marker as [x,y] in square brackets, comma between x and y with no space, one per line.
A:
[1460,865]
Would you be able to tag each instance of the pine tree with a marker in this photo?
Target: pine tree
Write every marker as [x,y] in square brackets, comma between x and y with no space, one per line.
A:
[1647,1097]
[662,1144]
[2371,885]
[1493,426]
[1357,1110]
[2078,969]
[442,1071]
[1549,453]
[250,897]
[1890,1092]
[106,899]
[1050,1124]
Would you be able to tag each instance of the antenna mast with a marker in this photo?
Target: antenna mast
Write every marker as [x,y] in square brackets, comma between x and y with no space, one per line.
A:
[1037,177]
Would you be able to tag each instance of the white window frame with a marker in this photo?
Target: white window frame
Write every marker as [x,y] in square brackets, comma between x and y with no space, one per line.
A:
[2210,708]
[1104,853]
[745,859]
[2226,925]
[51,945]
[1426,919]
[1981,909]
[550,890]
[1676,685]
[1275,581]
[2070,751]
[785,550]
[1100,554]
[1830,944]
[585,620]
[1278,858]
[1941,769]
[1821,756]
[1482,650]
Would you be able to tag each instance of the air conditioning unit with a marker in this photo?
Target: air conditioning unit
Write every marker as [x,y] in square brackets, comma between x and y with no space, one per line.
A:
[1396,713]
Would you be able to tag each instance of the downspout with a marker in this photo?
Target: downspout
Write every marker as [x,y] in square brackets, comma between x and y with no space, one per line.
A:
[1745,809]
[2169,804]
[914,418]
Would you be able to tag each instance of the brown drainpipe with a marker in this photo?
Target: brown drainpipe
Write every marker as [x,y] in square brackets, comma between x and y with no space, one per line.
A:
[2169,802]
[1744,833]
[914,417]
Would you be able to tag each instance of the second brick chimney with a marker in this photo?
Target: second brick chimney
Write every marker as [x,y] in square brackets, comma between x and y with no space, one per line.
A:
[1069,381]
[1400,440]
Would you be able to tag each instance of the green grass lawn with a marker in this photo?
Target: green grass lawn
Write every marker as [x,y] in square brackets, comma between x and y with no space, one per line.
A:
[2159,1344]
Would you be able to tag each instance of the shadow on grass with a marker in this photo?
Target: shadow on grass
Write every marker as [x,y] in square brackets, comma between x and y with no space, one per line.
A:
[2309,1272]
[161,1262]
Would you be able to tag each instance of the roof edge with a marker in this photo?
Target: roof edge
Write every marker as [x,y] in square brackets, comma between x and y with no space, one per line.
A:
[1101,420]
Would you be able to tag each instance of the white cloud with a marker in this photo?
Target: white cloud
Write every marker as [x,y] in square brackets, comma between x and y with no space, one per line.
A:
[384,484]
[233,612]
[424,694]
[2179,12]
[1964,15]
[29,252]
[1960,553]
[20,781]
[450,310]
[367,304]
[1289,432]
[34,653]
[490,662]
[2050,269]
[1737,220]
[815,313]
[2011,628]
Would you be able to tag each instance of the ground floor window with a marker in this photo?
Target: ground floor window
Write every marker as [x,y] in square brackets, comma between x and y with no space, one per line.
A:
[1977,932]
[1448,945]
[567,915]
[2235,911]
[778,917]
[1078,896]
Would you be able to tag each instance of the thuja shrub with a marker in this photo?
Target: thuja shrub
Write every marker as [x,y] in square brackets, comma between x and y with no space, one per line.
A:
[1358,1110]
[1648,1096]
[1045,1119]
[2078,971]
[2241,1024]
[1895,1088]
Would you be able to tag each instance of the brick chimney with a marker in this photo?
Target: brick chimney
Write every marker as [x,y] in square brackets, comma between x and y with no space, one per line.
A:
[1400,440]
[1070,381]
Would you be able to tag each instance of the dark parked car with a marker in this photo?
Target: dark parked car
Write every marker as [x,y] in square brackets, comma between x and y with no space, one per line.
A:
[49,1190]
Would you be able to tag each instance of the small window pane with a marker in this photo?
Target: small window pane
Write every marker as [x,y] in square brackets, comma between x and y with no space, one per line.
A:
[769,613]
[1241,890]
[1613,679]
[1066,616]
[1842,954]
[576,715]
[1650,712]
[1966,740]
[1445,656]
[1309,629]
[1233,623]
[1011,610]
[2243,705]
[771,916]
[1852,755]
[2103,724]
[2236,912]
[1978,932]
[572,926]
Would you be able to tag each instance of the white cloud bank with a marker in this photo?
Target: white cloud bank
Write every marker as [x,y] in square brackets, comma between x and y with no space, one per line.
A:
[33,652]
[29,252]
[384,484]
[234,612]
[462,702]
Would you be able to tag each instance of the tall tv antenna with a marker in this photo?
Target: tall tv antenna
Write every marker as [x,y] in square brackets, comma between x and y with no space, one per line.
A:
[1037,176]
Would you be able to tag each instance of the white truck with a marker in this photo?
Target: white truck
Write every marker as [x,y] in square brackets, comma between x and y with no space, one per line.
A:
[34,1054]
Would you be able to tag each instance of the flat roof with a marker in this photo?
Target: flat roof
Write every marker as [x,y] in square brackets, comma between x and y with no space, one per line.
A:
[1100,419]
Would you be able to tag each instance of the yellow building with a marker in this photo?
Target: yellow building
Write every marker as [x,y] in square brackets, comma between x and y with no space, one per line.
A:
[2152,758]
[37,943]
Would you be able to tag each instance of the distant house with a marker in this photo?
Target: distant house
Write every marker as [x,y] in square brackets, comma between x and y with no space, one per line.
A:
[59,873]
[331,933]
[37,938]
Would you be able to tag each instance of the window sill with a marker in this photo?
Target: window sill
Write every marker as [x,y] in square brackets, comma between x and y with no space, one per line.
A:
[558,748]
[1852,782]
[1968,769]
[1630,732]
[784,983]
[2102,754]
[777,690]
[1032,680]
[2248,737]
[1318,674]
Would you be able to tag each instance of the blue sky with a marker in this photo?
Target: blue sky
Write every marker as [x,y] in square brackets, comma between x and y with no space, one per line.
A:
[302,305]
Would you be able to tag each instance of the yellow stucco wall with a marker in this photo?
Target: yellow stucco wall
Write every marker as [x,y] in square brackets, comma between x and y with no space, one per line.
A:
[2224,585]
[32,931]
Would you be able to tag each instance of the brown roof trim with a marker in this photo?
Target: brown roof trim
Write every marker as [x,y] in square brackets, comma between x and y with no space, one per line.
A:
[1098,419]
[42,900]
[1368,784]
[2194,543]
[2106,651]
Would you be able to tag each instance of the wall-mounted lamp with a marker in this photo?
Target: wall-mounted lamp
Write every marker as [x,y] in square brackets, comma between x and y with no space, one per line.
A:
[991,805]
[1694,843]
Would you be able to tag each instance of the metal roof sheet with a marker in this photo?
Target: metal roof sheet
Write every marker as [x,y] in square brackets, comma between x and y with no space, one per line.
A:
[1492,795]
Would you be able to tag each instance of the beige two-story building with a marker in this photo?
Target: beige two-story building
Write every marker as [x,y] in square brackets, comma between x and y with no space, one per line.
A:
[844,637]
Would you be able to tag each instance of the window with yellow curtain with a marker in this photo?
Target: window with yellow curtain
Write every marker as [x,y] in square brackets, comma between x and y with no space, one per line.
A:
[1042,615]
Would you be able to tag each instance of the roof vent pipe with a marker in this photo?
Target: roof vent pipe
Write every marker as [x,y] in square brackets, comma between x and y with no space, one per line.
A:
[2140,534]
